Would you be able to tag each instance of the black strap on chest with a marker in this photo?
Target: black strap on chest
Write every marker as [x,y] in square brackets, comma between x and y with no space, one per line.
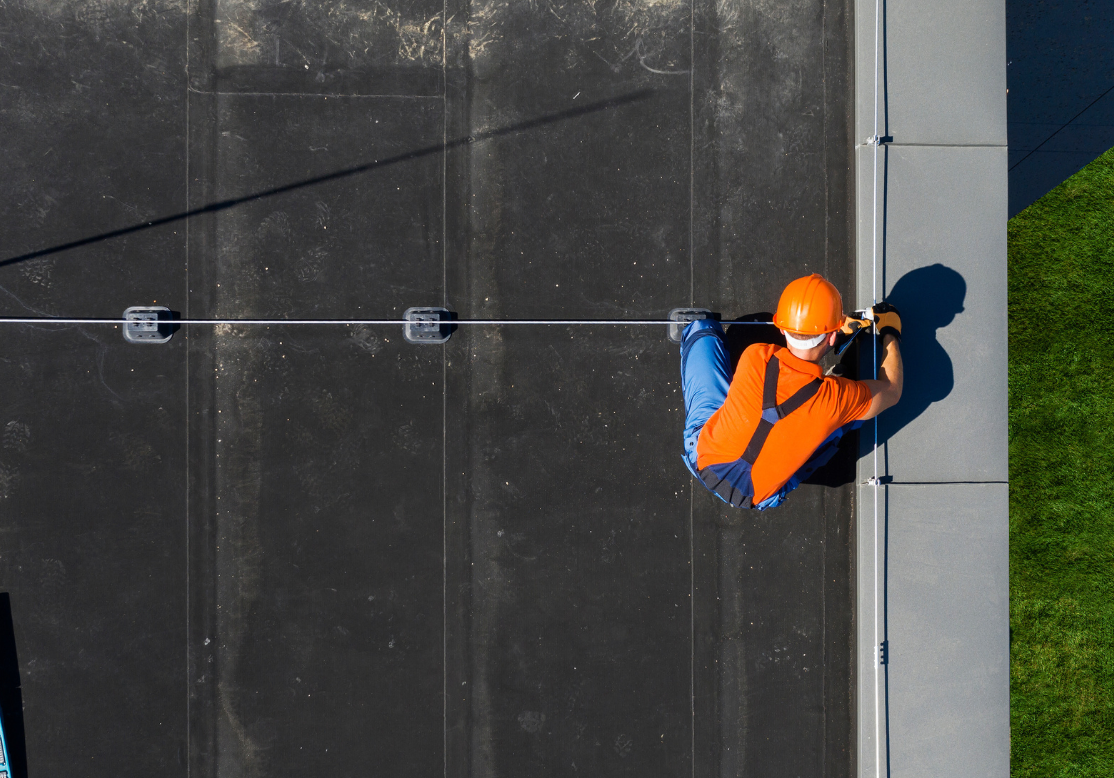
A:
[771,411]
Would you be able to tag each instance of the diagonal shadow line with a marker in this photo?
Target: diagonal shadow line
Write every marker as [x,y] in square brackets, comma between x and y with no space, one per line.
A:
[223,205]
[1062,126]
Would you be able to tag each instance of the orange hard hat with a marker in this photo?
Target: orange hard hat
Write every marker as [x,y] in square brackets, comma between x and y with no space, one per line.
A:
[810,306]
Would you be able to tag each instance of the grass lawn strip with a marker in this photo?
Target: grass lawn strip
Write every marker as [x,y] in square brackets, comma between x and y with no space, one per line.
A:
[1061,438]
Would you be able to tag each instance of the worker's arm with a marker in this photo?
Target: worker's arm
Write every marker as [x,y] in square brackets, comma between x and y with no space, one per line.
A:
[886,391]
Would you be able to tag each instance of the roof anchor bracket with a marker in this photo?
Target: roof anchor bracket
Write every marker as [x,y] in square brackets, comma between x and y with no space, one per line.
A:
[682,316]
[148,324]
[427,325]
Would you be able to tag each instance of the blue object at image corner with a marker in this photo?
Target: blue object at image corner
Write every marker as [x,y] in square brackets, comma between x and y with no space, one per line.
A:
[5,768]
[705,379]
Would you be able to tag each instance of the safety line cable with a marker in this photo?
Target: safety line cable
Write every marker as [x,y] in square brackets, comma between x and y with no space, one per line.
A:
[302,322]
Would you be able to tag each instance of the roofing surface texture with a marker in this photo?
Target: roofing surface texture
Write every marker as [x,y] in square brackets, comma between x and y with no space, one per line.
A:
[281,550]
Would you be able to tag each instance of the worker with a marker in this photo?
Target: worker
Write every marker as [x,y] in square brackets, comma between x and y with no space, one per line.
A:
[752,438]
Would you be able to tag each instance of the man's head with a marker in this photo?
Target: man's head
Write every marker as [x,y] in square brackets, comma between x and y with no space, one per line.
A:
[809,314]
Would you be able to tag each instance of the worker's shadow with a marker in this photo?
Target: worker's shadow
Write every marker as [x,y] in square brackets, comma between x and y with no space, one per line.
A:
[928,298]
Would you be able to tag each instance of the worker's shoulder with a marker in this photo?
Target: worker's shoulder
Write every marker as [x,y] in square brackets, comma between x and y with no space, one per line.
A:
[759,352]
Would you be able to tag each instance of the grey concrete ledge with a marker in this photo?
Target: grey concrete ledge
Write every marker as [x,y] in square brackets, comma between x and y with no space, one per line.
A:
[932,561]
[943,70]
[942,695]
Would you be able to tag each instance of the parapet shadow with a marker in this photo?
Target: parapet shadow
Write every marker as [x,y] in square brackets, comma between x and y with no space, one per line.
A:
[222,205]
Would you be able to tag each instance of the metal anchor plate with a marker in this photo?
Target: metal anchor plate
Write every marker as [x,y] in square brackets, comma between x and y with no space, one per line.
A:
[427,325]
[148,324]
[683,316]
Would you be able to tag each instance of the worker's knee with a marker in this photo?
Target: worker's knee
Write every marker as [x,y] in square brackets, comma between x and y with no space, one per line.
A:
[700,325]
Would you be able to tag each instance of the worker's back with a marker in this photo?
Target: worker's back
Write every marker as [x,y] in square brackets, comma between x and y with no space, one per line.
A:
[794,438]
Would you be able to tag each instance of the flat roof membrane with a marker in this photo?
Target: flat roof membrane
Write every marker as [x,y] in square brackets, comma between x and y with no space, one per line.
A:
[274,549]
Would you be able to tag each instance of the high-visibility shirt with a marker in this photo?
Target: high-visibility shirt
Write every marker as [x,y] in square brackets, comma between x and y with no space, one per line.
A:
[793,439]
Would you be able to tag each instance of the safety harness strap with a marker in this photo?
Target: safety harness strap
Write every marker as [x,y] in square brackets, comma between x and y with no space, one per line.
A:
[727,485]
[772,412]
[731,494]
[799,398]
[769,383]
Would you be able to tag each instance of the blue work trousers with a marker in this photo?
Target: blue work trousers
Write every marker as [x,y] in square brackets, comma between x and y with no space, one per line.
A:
[705,378]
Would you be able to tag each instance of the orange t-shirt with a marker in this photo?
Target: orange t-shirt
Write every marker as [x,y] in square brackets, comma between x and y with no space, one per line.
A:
[793,439]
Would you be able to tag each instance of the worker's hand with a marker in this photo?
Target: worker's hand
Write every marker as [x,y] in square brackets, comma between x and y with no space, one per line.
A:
[887,321]
[852,324]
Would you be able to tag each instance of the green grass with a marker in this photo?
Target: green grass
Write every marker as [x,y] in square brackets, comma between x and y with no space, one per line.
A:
[1061,433]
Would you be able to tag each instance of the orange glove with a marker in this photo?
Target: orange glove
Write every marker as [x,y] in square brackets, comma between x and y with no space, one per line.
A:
[887,321]
[852,324]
